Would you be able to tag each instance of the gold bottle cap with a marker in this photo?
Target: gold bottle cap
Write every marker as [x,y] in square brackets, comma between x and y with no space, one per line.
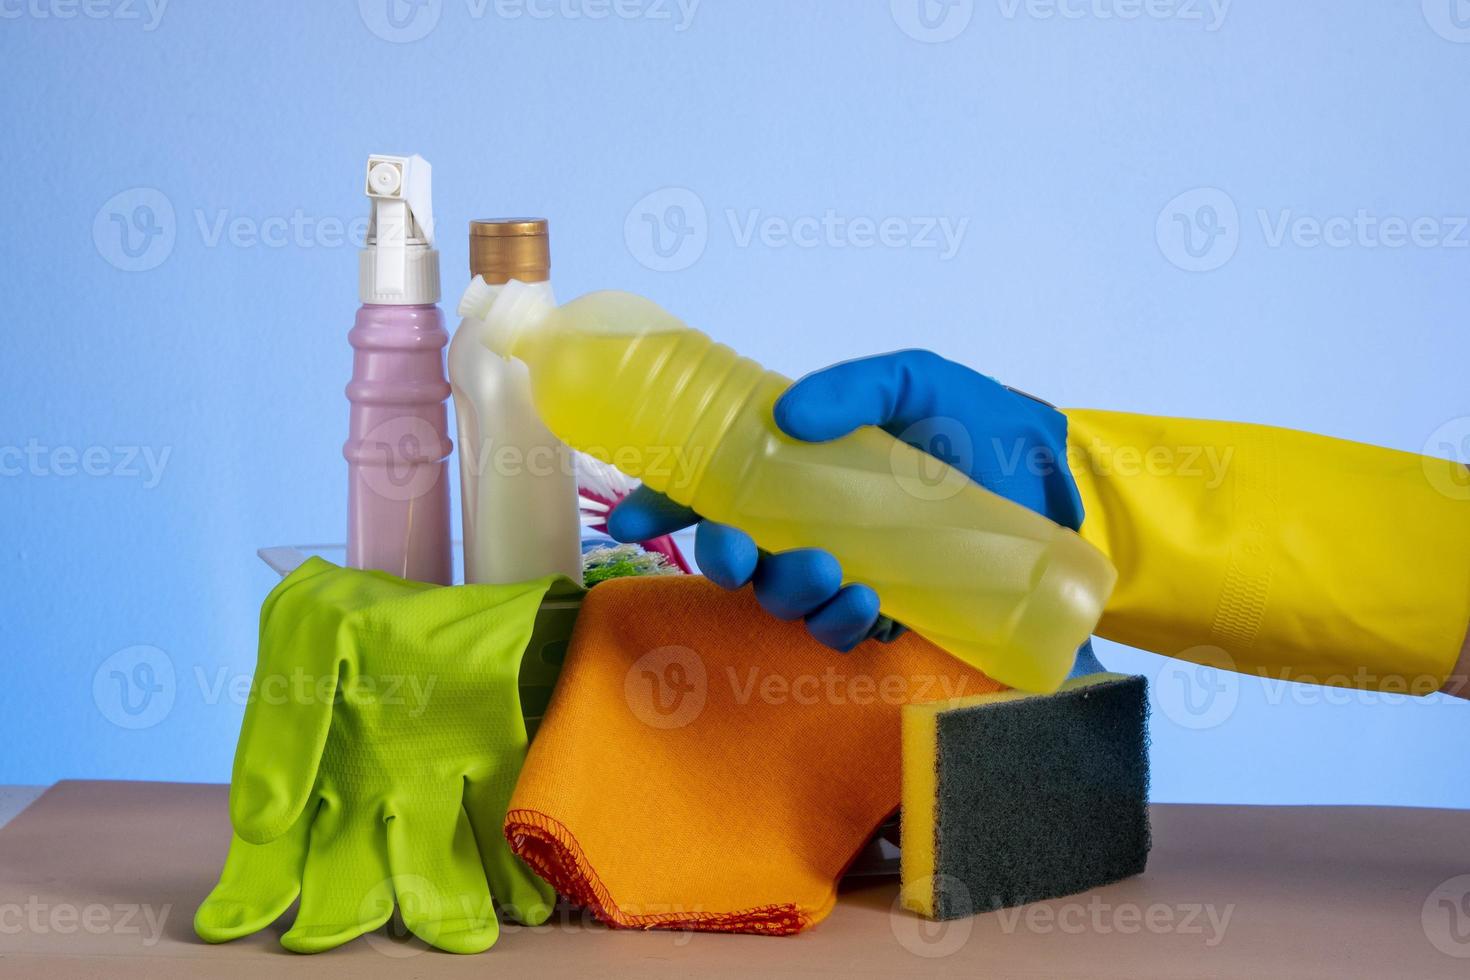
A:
[502,249]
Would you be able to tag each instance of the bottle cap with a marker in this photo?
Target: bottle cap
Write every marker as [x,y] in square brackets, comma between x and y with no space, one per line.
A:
[502,249]
[399,266]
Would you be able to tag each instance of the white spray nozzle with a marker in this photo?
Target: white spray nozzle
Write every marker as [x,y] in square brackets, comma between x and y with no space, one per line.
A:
[402,266]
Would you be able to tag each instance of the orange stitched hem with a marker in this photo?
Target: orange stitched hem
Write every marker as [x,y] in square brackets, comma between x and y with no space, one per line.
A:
[553,853]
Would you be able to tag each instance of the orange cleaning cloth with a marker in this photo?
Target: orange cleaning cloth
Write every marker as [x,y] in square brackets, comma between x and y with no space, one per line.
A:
[705,766]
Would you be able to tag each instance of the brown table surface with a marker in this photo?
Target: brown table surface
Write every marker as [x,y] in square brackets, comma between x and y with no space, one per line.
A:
[100,879]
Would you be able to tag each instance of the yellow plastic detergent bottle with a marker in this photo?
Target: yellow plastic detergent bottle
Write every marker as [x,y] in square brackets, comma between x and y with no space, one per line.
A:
[616,376]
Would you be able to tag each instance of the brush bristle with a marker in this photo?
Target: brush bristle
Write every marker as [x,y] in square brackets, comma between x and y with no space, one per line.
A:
[602,479]
[622,561]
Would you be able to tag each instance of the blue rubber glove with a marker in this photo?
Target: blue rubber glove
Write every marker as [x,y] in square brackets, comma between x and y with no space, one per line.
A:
[1008,442]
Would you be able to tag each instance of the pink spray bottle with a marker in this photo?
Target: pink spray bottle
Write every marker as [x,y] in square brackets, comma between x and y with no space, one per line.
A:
[398,444]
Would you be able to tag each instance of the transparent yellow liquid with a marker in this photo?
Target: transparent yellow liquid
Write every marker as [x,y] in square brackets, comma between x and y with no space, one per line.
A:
[991,582]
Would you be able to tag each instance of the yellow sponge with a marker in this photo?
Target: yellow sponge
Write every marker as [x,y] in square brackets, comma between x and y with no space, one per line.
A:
[1012,797]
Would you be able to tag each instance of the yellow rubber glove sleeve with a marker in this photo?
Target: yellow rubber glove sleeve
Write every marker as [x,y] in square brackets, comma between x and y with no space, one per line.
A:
[1301,557]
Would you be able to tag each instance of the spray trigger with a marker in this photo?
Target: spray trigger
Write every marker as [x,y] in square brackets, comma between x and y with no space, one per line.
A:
[401,189]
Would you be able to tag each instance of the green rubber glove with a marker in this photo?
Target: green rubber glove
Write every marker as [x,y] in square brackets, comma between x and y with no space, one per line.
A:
[380,746]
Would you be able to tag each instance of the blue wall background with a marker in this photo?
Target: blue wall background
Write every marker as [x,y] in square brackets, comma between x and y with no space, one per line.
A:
[1052,139]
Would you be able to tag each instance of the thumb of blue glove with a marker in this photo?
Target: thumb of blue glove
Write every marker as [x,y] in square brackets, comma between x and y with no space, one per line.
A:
[1010,443]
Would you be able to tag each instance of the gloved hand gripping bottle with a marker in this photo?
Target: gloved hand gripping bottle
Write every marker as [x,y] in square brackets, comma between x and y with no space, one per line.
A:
[518,486]
[398,495]
[614,375]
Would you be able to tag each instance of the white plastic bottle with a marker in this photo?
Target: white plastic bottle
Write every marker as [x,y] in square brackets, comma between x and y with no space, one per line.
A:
[517,481]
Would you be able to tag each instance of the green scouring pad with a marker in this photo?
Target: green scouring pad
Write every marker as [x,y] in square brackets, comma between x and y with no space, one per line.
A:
[1011,798]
